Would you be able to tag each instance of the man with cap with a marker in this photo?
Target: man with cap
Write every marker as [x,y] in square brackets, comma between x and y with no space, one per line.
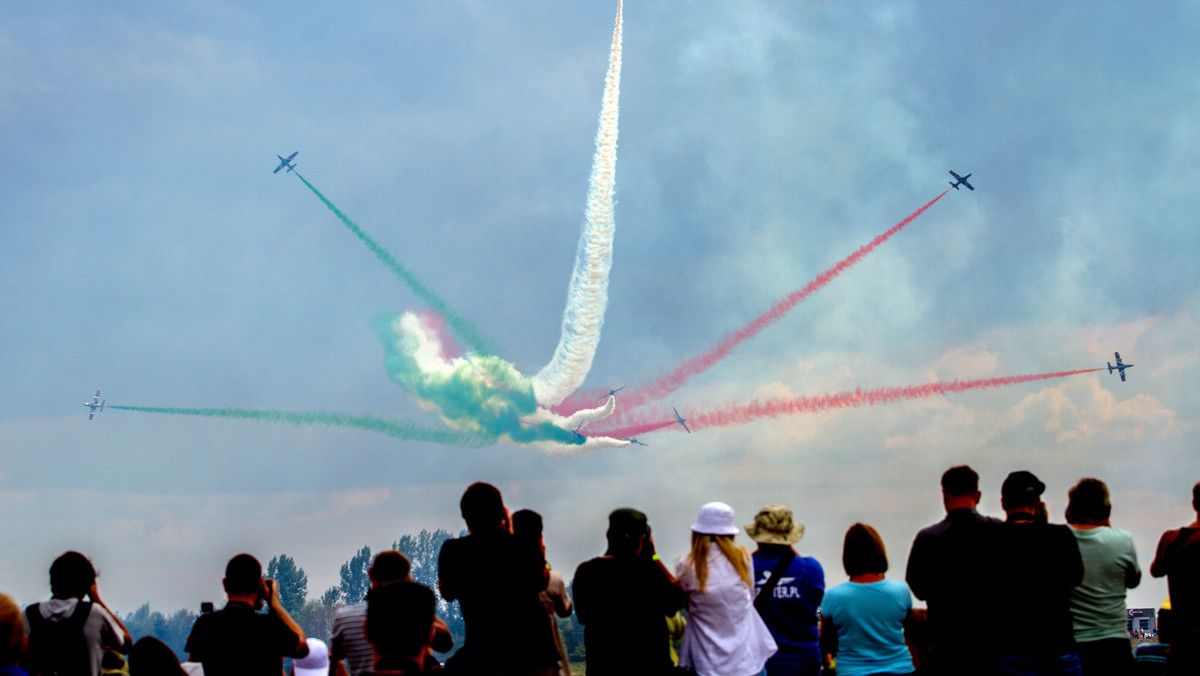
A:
[623,599]
[788,591]
[943,570]
[1034,567]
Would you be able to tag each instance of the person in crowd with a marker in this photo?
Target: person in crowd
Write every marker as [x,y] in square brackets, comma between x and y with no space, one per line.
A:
[1033,565]
[496,578]
[1109,568]
[401,626]
[788,592]
[943,570]
[68,634]
[1178,558]
[350,647]
[725,635]
[152,657]
[12,638]
[554,598]
[238,639]
[623,600]
[315,663]
[863,619]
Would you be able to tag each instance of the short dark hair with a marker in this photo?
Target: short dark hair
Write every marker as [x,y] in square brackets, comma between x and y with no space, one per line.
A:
[1088,501]
[1196,496]
[243,575]
[863,551]
[400,617]
[482,507]
[71,575]
[389,566]
[527,523]
[151,656]
[626,527]
[960,480]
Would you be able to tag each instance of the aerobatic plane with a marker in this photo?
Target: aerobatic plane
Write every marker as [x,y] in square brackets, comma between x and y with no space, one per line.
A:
[286,162]
[95,404]
[611,392]
[633,440]
[961,180]
[1119,367]
[680,419]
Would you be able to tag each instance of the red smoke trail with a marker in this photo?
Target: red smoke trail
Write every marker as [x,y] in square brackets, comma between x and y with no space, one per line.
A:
[673,380]
[741,414]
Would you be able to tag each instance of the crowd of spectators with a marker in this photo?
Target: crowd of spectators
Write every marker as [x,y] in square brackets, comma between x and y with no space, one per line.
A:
[742,613]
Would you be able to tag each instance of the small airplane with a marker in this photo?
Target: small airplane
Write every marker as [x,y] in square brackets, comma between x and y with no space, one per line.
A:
[611,392]
[962,180]
[95,404]
[633,440]
[680,419]
[286,162]
[1119,367]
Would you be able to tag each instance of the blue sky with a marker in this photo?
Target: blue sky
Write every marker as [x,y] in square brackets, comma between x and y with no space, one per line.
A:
[147,250]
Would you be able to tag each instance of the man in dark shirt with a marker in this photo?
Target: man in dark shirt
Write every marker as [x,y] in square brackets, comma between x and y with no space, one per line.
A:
[1178,558]
[496,578]
[237,640]
[1034,567]
[623,599]
[944,571]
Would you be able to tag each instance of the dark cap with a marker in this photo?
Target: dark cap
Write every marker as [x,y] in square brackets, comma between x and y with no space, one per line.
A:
[1021,489]
[628,521]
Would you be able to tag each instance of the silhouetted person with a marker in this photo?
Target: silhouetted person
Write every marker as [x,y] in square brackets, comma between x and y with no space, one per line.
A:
[1178,558]
[789,607]
[944,567]
[152,657]
[12,638]
[1109,568]
[554,598]
[863,619]
[1034,567]
[67,634]
[238,640]
[623,600]
[496,579]
[400,626]
[349,635]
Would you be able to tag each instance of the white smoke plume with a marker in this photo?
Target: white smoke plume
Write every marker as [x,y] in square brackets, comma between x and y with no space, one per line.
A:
[587,296]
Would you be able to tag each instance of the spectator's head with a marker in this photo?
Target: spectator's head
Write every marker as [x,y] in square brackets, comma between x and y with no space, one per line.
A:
[1196,497]
[715,526]
[527,523]
[627,528]
[774,525]
[243,575]
[1021,490]
[1088,503]
[960,488]
[863,552]
[71,576]
[483,508]
[152,657]
[388,566]
[399,618]
[315,663]
[12,632]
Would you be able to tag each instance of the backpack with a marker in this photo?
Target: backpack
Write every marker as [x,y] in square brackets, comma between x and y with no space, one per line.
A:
[59,648]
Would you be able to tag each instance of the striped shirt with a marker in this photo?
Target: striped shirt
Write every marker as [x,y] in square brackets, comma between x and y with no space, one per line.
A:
[350,639]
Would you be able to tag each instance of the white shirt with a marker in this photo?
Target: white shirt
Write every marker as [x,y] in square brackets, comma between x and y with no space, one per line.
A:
[725,635]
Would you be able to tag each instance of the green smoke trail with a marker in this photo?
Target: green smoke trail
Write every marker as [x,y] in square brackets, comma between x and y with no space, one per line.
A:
[370,423]
[463,328]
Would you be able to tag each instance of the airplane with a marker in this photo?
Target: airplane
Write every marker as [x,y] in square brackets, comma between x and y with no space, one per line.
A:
[633,440]
[286,162]
[611,392]
[680,419]
[1119,367]
[962,180]
[95,404]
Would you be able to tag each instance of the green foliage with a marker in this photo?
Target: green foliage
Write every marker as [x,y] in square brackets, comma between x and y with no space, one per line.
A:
[293,582]
[355,583]
[171,630]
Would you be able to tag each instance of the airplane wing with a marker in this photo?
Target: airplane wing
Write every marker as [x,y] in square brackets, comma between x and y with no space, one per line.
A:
[969,186]
[277,169]
[1122,375]
[1118,356]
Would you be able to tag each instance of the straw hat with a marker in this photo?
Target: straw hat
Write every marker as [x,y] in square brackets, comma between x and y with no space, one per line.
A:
[773,525]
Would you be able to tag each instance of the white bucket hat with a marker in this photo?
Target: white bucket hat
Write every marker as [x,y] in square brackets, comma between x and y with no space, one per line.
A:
[715,518]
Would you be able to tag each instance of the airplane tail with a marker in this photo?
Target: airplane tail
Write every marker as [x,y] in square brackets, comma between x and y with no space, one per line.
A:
[102,404]
[953,185]
[1110,367]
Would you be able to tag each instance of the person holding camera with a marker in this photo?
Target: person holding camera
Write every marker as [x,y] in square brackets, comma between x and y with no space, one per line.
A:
[238,640]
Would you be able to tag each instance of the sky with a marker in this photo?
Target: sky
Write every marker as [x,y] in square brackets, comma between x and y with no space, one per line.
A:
[147,250]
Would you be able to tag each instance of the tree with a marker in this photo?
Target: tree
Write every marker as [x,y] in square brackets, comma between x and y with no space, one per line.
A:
[171,630]
[422,551]
[292,580]
[355,582]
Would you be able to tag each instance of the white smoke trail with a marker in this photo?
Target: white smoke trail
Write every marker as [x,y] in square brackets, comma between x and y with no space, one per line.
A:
[587,296]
